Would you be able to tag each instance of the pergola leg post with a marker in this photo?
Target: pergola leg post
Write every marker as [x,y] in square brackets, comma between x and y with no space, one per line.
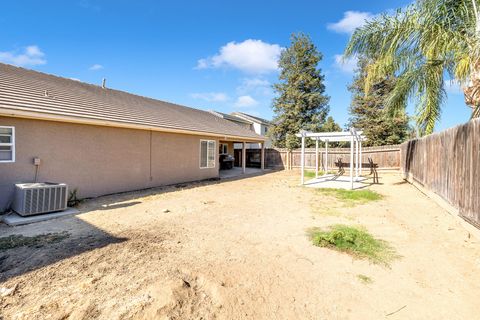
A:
[316,158]
[361,157]
[302,160]
[326,158]
[244,157]
[357,153]
[351,162]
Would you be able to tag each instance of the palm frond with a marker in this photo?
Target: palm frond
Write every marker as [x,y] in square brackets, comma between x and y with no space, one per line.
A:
[420,44]
[432,87]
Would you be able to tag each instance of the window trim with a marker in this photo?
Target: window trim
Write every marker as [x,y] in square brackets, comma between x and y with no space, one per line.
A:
[223,146]
[11,144]
[214,153]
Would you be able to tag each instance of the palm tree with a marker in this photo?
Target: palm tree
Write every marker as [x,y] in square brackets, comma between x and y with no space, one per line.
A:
[421,45]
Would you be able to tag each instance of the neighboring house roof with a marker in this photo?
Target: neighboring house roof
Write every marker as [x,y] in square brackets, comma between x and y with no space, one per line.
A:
[229,117]
[251,118]
[30,94]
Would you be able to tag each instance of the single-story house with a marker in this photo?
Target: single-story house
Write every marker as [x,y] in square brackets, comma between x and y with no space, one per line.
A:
[101,141]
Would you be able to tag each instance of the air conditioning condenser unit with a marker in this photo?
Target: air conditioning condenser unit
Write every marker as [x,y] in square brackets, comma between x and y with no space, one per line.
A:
[36,198]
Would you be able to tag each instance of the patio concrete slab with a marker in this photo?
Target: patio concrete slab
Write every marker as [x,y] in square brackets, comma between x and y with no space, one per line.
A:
[337,182]
[237,172]
[13,219]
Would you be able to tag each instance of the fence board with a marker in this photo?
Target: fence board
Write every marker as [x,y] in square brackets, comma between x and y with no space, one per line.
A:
[386,157]
[448,163]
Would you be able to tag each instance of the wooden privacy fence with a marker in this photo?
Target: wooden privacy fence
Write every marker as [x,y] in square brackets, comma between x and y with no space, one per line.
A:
[448,163]
[386,157]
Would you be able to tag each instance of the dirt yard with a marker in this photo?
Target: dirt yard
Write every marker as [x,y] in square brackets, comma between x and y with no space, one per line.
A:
[239,250]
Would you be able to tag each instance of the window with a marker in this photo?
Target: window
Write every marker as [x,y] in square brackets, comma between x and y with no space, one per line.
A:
[207,154]
[7,144]
[266,130]
[223,148]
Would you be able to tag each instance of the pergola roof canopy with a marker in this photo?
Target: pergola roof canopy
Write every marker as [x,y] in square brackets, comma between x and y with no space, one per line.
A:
[334,136]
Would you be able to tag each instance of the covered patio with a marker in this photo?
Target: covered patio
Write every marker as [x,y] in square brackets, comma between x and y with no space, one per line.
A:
[354,181]
[227,159]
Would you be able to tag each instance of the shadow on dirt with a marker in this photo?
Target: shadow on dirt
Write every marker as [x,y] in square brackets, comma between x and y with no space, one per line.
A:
[73,235]
[27,253]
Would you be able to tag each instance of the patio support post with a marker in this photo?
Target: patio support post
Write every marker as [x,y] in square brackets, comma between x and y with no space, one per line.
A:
[302,159]
[351,161]
[262,161]
[244,156]
[316,158]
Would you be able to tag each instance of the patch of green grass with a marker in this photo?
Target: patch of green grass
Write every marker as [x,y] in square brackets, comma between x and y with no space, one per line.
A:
[365,279]
[355,241]
[352,197]
[17,240]
[311,174]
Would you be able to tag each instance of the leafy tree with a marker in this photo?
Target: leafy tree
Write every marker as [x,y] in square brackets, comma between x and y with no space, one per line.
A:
[301,103]
[420,44]
[368,112]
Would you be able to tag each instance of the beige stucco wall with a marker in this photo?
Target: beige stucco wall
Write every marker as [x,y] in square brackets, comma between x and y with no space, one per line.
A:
[99,160]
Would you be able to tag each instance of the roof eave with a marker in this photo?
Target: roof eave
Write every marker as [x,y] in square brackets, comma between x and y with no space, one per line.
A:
[250,119]
[7,112]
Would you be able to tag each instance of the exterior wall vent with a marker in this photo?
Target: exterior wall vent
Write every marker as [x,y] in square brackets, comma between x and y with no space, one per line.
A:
[36,198]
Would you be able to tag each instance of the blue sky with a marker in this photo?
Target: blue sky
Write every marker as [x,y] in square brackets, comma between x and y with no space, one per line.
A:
[206,54]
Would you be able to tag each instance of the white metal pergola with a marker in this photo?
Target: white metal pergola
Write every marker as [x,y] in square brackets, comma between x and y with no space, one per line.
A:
[353,136]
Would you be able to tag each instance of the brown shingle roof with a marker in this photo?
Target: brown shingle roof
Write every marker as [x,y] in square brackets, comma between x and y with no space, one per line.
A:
[30,91]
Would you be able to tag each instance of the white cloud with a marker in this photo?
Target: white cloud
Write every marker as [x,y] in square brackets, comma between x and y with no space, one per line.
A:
[210,96]
[350,21]
[255,82]
[202,64]
[250,56]
[245,101]
[86,4]
[96,67]
[346,65]
[30,56]
[256,86]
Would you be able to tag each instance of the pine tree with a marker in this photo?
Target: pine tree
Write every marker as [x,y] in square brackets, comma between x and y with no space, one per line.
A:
[368,111]
[331,126]
[301,103]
